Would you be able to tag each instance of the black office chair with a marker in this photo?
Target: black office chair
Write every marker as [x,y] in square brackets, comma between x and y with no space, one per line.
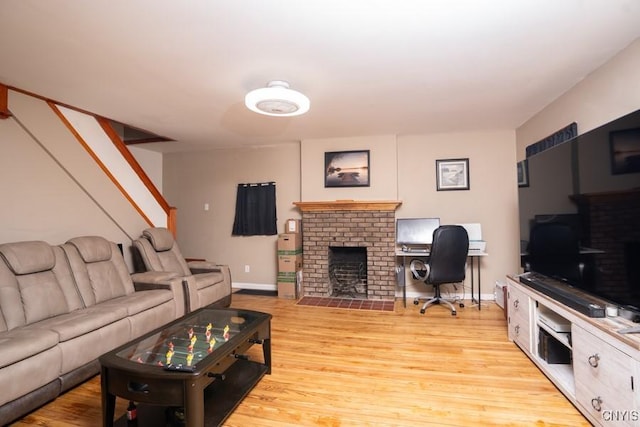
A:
[446,264]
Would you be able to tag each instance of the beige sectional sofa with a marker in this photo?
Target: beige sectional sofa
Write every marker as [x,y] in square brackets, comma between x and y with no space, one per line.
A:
[205,281]
[61,307]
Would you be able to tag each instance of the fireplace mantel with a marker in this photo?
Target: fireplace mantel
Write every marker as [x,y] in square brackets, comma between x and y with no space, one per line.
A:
[349,205]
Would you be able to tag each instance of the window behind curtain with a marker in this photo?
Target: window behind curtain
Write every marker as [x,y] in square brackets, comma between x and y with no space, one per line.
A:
[255,210]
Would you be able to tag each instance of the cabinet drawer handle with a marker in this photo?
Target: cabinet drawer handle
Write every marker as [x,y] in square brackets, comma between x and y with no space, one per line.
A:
[517,329]
[593,360]
[516,303]
[597,403]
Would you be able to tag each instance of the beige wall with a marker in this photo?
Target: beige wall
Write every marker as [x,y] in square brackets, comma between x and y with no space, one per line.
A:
[51,189]
[402,168]
[193,179]
[490,201]
[383,168]
[610,92]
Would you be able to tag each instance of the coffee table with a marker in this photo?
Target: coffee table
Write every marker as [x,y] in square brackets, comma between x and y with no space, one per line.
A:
[201,356]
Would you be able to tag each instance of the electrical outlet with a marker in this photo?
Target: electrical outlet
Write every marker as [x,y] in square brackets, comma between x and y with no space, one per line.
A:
[247,269]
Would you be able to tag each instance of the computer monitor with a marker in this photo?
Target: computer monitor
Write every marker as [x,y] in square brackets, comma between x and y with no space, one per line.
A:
[416,231]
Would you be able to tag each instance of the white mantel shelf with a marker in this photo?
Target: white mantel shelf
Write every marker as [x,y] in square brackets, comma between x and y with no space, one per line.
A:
[349,205]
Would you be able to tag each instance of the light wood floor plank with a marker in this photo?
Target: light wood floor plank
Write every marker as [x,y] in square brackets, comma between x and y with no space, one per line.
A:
[337,367]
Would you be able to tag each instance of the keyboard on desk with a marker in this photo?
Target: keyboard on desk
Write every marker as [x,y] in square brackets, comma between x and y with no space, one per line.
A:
[415,250]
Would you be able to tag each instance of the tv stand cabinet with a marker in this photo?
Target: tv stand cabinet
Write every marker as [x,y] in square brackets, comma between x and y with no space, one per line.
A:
[594,366]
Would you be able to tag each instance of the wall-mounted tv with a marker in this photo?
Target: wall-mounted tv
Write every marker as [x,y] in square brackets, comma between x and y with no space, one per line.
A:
[579,183]
[416,231]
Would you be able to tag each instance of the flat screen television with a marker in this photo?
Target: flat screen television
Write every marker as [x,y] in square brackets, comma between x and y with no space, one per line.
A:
[416,231]
[592,183]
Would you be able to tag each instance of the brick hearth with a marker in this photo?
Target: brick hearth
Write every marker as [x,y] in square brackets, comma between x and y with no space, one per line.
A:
[349,224]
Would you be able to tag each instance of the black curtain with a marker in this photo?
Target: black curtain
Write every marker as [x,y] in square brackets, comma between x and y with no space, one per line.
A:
[255,210]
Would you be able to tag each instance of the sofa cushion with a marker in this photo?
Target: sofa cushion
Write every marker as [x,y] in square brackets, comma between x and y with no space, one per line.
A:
[161,238]
[92,248]
[41,296]
[38,374]
[21,344]
[140,301]
[204,280]
[28,257]
[160,252]
[80,322]
[98,268]
[30,289]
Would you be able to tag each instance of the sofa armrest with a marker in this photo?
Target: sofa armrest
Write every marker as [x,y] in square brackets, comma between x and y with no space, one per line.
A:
[198,267]
[152,280]
[153,277]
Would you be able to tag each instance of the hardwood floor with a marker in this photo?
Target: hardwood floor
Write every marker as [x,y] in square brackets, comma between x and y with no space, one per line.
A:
[338,367]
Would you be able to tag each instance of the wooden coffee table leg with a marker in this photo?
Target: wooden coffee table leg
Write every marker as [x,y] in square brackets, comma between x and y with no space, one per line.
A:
[266,351]
[194,405]
[108,401]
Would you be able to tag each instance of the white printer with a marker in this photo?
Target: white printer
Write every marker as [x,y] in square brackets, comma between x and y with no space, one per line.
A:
[474,230]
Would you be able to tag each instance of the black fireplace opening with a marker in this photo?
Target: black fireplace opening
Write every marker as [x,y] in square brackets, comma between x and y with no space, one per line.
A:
[348,271]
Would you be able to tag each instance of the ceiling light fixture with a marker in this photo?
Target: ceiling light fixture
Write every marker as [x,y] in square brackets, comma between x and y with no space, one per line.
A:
[277,100]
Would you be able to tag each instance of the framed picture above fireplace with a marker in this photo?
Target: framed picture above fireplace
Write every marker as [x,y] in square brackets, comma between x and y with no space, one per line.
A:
[346,168]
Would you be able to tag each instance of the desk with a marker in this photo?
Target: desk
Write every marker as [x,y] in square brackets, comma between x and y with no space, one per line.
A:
[473,256]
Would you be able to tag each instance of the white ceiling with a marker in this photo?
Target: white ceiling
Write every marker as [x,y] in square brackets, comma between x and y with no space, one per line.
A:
[181,69]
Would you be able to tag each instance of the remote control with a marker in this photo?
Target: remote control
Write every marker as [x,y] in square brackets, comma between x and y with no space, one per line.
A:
[181,368]
[631,330]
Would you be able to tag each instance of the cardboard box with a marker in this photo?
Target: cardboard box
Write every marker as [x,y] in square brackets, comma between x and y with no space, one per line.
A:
[289,263]
[291,242]
[287,290]
[293,226]
[287,285]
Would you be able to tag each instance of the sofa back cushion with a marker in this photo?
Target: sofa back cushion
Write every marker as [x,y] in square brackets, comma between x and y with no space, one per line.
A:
[99,269]
[31,288]
[159,252]
[161,238]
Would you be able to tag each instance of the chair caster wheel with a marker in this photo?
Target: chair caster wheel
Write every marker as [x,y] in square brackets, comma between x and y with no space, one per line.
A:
[422,311]
[415,302]
[461,305]
[453,313]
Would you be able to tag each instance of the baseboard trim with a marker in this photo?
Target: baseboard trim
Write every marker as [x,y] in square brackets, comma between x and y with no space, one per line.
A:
[255,286]
[410,295]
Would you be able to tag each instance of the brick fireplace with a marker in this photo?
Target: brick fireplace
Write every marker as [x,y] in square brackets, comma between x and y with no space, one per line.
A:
[348,223]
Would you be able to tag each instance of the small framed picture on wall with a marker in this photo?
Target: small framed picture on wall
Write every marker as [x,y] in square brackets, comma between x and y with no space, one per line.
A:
[523,173]
[452,174]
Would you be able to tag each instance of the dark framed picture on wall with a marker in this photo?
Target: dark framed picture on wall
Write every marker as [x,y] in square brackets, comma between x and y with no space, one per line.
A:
[523,173]
[346,168]
[625,151]
[452,174]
